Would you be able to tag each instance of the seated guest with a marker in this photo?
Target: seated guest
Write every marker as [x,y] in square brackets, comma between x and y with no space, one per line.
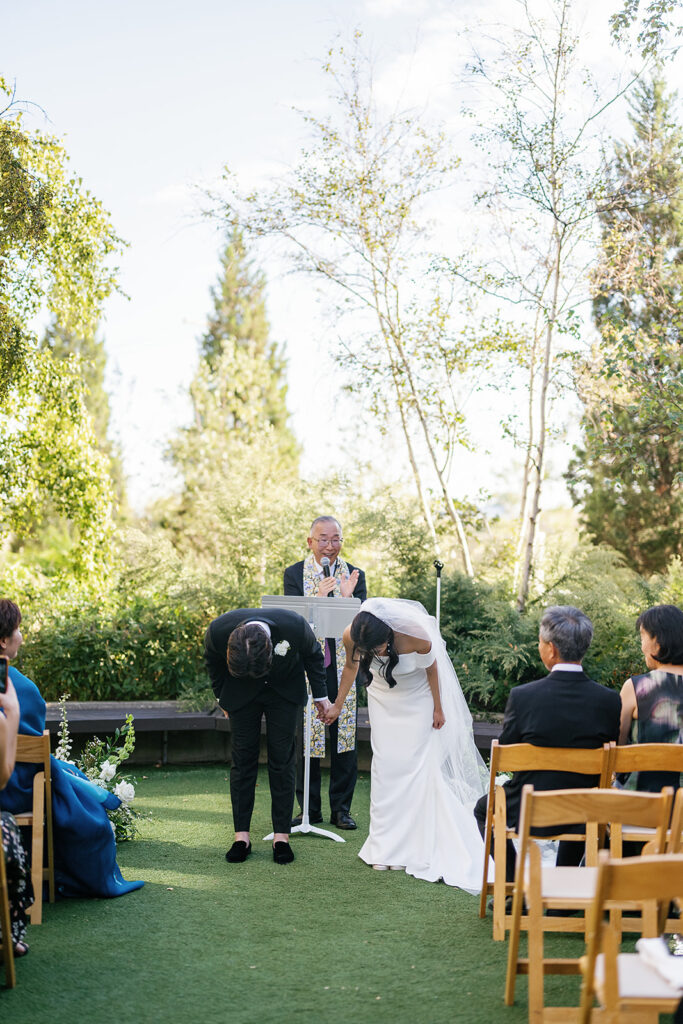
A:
[84,844]
[564,709]
[655,700]
[16,862]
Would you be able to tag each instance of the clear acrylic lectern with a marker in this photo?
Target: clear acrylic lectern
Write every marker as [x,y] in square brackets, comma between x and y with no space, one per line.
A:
[327,617]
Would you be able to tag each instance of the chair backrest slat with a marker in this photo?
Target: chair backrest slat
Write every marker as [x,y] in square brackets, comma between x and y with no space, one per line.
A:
[644,878]
[648,757]
[33,749]
[517,757]
[579,806]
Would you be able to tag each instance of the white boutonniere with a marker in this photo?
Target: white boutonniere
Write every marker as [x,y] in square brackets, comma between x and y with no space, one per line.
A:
[281,648]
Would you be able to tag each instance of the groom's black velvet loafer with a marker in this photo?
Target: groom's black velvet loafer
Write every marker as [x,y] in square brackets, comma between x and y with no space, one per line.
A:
[282,853]
[238,852]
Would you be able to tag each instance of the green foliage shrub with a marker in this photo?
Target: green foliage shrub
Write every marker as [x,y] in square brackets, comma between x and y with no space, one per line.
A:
[493,647]
[140,635]
[139,638]
[133,653]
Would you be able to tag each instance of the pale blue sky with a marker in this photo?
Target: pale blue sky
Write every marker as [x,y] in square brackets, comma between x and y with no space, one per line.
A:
[152,97]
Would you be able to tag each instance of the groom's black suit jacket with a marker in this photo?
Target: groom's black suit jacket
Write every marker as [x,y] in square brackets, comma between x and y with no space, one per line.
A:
[287,672]
[565,709]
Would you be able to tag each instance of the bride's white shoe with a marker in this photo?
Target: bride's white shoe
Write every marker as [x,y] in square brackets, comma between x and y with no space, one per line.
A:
[380,867]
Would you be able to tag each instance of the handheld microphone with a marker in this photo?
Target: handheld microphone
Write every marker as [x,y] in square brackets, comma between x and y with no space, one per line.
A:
[325,563]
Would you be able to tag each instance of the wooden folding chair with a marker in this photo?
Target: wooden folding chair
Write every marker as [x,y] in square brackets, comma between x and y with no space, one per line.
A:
[623,982]
[36,750]
[5,923]
[567,888]
[514,757]
[643,757]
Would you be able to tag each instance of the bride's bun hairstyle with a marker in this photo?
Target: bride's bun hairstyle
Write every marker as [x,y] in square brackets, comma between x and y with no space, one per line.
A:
[250,651]
[369,634]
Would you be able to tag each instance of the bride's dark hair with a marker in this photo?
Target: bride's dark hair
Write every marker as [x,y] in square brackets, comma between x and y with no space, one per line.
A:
[368,633]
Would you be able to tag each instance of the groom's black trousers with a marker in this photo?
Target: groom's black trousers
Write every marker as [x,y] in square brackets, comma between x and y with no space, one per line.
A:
[245,724]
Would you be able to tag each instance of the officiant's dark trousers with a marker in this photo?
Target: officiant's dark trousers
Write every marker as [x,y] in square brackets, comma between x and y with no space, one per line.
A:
[343,767]
[281,718]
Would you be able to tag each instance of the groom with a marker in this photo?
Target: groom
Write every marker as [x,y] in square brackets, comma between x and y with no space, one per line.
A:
[257,662]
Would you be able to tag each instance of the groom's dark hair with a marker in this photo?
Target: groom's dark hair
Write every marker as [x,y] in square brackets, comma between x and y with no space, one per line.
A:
[250,651]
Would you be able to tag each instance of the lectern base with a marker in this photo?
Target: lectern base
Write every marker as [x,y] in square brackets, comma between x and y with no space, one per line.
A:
[305,828]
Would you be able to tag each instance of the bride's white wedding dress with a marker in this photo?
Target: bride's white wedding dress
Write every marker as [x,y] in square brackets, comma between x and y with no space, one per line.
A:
[424,781]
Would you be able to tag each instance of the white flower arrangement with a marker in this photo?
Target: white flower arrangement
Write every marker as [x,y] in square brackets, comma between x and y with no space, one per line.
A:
[125,791]
[107,771]
[100,761]
[281,648]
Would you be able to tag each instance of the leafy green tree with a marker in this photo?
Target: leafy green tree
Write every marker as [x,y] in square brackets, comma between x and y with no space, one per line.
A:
[56,242]
[51,468]
[627,477]
[539,143]
[92,360]
[657,22]
[351,213]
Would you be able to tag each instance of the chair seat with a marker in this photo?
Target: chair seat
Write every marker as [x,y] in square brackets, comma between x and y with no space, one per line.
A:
[568,884]
[631,830]
[637,980]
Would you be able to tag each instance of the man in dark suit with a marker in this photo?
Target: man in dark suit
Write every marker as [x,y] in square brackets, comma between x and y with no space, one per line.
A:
[309,578]
[257,662]
[565,709]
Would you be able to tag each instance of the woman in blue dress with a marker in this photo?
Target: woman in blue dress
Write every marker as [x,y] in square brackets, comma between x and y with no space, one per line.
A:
[84,843]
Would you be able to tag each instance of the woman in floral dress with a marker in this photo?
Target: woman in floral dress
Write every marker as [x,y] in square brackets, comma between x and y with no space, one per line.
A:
[16,861]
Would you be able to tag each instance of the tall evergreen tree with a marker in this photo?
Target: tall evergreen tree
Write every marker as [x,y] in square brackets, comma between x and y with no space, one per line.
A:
[627,478]
[238,458]
[239,320]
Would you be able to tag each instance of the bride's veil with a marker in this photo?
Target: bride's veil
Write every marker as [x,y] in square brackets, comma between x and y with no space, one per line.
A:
[462,763]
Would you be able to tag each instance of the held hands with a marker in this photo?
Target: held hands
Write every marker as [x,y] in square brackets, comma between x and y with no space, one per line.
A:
[322,708]
[439,719]
[332,714]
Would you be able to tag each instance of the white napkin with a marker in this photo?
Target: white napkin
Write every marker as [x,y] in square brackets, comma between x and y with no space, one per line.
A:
[655,953]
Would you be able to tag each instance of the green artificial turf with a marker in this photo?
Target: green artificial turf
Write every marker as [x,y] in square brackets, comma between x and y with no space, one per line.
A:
[323,939]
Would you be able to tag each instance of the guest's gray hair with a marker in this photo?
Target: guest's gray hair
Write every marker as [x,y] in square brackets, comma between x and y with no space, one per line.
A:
[569,629]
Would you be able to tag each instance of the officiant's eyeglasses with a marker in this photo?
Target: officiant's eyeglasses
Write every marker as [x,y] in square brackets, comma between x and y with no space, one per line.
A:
[335,542]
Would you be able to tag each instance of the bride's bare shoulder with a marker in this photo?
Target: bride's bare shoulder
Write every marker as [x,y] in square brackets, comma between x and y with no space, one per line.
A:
[406,644]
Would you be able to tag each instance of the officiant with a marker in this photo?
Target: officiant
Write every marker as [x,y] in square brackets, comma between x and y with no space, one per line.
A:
[324,573]
[258,661]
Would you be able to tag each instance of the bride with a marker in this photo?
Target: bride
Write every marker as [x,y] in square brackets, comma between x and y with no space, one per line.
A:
[426,771]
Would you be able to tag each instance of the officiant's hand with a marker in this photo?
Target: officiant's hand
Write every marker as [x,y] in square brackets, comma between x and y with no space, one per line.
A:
[348,584]
[322,708]
[326,585]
